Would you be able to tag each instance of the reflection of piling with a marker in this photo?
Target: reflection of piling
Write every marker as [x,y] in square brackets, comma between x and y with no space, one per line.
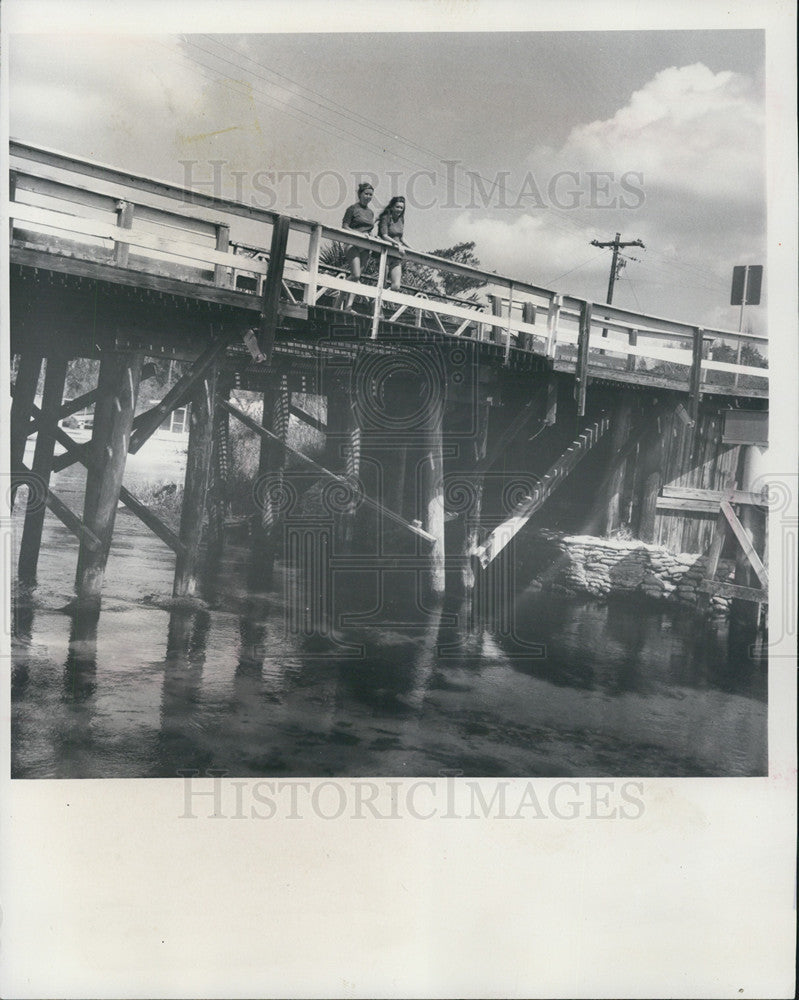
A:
[55,376]
[117,389]
[198,464]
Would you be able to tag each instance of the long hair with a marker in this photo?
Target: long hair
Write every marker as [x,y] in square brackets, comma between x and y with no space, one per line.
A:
[386,213]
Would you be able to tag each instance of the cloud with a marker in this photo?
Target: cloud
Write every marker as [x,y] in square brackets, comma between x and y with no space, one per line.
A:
[688,130]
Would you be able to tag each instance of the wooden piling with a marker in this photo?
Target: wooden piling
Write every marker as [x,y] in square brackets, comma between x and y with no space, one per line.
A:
[652,473]
[218,485]
[30,364]
[118,389]
[55,376]
[432,494]
[271,464]
[343,454]
[198,465]
[611,494]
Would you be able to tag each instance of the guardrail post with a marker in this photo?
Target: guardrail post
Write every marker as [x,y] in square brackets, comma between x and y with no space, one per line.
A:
[222,244]
[312,288]
[273,285]
[124,221]
[696,374]
[553,319]
[507,329]
[381,280]
[581,371]
[496,309]
[632,340]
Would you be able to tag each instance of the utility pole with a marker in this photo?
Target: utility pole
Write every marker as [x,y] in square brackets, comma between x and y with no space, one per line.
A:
[617,245]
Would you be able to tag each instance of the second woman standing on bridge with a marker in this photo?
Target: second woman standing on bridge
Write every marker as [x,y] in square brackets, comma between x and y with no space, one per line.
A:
[391,227]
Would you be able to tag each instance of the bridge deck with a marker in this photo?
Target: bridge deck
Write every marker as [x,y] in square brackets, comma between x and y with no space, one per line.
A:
[96,223]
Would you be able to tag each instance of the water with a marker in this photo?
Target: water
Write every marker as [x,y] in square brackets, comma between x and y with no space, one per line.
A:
[152,688]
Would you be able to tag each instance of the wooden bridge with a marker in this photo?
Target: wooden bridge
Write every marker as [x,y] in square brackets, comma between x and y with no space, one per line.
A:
[425,391]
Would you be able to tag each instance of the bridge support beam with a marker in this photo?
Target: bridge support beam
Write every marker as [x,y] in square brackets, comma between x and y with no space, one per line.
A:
[195,487]
[118,389]
[30,364]
[218,486]
[55,376]
[343,453]
[432,495]
[271,486]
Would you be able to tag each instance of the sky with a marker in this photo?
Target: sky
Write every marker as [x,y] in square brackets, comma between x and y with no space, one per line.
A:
[532,144]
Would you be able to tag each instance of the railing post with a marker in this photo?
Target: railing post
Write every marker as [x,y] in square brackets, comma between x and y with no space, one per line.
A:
[510,318]
[696,374]
[273,285]
[581,372]
[381,280]
[124,221]
[312,288]
[496,309]
[222,244]
[632,340]
[553,319]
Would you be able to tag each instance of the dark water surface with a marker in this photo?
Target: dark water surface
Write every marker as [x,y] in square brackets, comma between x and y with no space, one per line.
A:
[580,688]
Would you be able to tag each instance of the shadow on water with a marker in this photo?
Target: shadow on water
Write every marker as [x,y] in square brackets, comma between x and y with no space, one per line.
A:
[376,680]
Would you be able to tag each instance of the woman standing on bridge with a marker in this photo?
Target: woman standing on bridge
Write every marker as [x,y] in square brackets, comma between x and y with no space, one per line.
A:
[391,227]
[360,218]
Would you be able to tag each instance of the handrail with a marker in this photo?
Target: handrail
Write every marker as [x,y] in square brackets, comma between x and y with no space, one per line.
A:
[521,310]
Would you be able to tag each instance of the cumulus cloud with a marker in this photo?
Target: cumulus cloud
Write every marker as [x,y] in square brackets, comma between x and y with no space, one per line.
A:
[687,130]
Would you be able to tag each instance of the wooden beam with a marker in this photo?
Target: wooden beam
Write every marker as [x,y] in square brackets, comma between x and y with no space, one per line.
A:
[118,387]
[556,474]
[377,305]
[198,465]
[273,284]
[314,244]
[55,376]
[307,418]
[695,384]
[60,509]
[263,432]
[124,221]
[715,496]
[222,246]
[733,590]
[146,424]
[744,541]
[581,370]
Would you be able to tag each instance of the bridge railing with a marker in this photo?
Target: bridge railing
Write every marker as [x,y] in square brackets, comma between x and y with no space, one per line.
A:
[78,209]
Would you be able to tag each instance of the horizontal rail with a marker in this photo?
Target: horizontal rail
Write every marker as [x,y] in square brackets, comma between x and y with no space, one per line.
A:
[111,213]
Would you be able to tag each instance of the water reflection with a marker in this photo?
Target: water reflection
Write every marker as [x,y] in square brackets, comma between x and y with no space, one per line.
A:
[559,687]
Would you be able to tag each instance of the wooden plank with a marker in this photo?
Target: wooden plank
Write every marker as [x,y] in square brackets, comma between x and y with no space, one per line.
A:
[501,536]
[135,238]
[98,271]
[710,507]
[222,245]
[581,370]
[733,590]
[716,496]
[272,286]
[263,432]
[124,221]
[744,541]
